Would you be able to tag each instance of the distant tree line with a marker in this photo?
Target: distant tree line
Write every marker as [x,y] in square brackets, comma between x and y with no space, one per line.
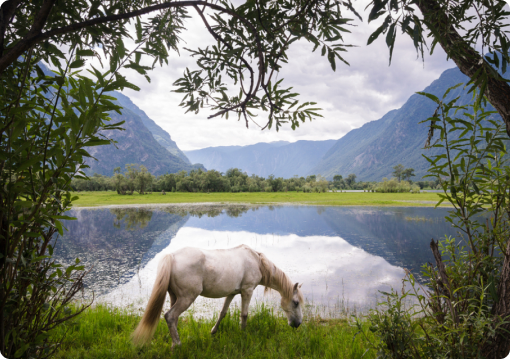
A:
[136,178]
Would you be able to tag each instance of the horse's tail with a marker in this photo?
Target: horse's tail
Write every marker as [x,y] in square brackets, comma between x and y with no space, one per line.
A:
[147,326]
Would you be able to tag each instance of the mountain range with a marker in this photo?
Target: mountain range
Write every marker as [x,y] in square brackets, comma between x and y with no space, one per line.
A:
[370,151]
[281,159]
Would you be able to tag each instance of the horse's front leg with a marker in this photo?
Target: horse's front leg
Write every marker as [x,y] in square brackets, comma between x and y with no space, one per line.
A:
[228,299]
[245,303]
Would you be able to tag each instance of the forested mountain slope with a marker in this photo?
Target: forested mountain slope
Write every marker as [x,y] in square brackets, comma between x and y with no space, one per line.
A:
[281,159]
[372,150]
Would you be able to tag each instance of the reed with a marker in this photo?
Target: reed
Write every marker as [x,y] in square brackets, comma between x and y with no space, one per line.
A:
[104,332]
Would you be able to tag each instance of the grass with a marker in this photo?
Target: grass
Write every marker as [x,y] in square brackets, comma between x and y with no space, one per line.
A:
[104,332]
[90,199]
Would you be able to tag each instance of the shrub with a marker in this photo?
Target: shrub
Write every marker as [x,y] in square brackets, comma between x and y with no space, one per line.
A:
[463,308]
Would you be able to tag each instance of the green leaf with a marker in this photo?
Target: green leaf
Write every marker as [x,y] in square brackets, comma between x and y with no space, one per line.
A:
[77,63]
[430,96]
[379,30]
[58,225]
[21,351]
[390,38]
[64,217]
[85,52]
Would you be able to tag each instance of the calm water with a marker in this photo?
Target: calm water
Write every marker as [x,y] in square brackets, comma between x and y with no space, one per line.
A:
[338,253]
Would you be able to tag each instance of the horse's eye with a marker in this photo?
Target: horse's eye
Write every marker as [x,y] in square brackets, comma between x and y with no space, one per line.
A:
[296,303]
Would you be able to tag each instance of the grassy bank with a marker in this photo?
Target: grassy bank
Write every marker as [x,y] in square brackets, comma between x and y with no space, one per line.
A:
[105,333]
[87,199]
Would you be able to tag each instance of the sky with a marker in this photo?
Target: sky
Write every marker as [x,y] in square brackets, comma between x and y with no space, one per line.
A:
[349,97]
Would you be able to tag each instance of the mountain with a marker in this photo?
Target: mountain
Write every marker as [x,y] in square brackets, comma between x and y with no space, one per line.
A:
[135,144]
[158,133]
[281,159]
[372,150]
[142,142]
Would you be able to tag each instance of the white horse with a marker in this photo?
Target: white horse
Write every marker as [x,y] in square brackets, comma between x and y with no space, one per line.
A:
[190,272]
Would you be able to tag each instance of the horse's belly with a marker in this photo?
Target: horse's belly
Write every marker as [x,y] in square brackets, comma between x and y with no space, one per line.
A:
[218,293]
[223,276]
[221,284]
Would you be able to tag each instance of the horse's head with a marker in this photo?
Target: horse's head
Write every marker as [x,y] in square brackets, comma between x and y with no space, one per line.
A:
[293,306]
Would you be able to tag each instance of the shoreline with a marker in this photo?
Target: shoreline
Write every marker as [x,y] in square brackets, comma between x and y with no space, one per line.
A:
[223,205]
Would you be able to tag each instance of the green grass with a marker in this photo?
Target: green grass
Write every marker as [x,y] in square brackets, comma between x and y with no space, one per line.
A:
[88,199]
[103,332]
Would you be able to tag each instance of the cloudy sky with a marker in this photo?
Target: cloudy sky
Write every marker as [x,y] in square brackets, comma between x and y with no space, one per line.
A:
[349,97]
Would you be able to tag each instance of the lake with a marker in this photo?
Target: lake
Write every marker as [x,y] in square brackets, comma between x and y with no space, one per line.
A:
[343,255]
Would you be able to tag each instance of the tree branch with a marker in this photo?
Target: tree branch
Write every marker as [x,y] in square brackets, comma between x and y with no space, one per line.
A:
[33,38]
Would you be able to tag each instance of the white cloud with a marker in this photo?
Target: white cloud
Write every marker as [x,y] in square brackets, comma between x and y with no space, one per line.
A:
[349,97]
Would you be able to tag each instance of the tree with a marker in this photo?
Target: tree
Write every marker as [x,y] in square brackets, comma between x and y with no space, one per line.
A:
[350,180]
[408,173]
[47,123]
[252,42]
[460,27]
[49,120]
[338,181]
[398,171]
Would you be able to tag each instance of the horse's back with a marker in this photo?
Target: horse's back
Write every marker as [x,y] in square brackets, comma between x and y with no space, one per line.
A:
[218,272]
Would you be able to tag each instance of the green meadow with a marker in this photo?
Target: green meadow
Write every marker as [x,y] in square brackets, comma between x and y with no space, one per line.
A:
[91,199]
[104,332]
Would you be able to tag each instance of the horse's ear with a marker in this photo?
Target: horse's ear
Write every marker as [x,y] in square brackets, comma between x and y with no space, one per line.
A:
[300,285]
[296,286]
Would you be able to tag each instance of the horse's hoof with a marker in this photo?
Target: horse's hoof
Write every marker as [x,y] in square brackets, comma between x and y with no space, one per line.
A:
[213,331]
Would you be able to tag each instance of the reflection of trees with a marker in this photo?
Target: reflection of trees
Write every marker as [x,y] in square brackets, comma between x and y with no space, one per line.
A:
[134,218]
[209,211]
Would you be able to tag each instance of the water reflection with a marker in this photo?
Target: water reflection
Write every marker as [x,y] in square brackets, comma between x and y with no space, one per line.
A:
[337,252]
[114,244]
[330,268]
[131,218]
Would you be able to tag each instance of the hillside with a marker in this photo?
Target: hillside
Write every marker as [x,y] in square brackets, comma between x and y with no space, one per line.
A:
[281,159]
[372,150]
[134,145]
[158,133]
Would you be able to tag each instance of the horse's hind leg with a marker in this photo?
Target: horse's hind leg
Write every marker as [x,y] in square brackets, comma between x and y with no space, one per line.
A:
[173,298]
[245,303]
[227,302]
[172,316]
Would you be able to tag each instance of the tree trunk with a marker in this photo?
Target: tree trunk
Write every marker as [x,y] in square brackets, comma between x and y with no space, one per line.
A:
[497,91]
[465,57]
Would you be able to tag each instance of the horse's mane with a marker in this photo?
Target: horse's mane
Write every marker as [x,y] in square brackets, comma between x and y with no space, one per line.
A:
[273,274]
